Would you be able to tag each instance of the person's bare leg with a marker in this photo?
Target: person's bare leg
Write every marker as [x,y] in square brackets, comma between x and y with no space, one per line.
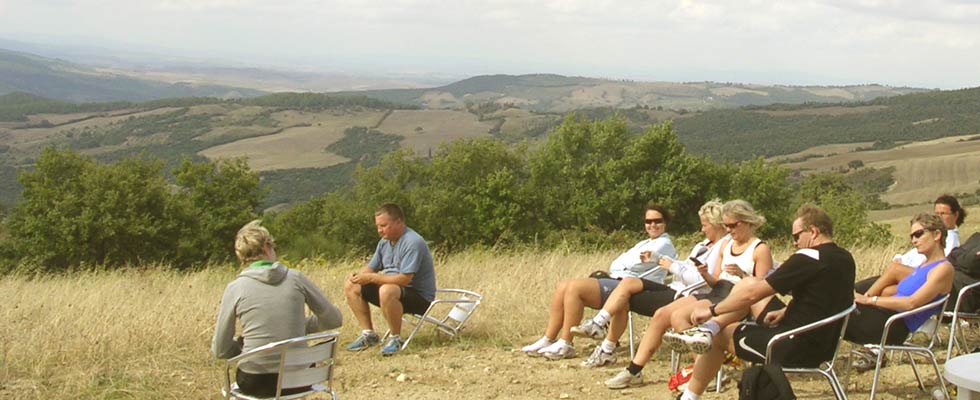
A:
[707,365]
[619,299]
[359,306]
[617,325]
[579,294]
[556,312]
[391,307]
[653,337]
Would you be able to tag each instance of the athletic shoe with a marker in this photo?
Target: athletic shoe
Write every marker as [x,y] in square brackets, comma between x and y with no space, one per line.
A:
[589,329]
[598,358]
[865,360]
[558,351]
[393,346]
[623,380]
[533,348]
[364,341]
[696,339]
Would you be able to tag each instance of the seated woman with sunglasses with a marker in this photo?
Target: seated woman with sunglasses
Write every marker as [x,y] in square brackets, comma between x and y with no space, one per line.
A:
[572,295]
[744,255]
[645,297]
[901,289]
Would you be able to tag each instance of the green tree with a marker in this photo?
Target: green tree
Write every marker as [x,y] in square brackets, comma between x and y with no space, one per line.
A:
[74,211]
[846,207]
[215,199]
[766,187]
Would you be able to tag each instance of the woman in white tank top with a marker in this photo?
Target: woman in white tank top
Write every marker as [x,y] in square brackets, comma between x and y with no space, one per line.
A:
[744,261]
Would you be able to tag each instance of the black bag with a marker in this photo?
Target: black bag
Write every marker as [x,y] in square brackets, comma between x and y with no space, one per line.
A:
[965,259]
[764,382]
[966,266]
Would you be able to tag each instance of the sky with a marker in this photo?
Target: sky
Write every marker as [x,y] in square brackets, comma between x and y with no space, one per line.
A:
[924,43]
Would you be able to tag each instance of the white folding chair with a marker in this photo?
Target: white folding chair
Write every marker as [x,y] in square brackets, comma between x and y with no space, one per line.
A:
[955,317]
[828,371]
[295,356]
[937,307]
[464,303]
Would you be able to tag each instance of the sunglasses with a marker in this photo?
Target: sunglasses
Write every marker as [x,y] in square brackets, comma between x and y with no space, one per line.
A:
[732,225]
[796,236]
[917,234]
[657,221]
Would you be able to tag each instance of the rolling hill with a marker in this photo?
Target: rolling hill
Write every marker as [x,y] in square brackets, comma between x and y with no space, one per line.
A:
[70,82]
[559,94]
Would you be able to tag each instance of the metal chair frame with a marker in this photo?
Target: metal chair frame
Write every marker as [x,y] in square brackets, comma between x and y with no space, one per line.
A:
[908,348]
[295,357]
[957,315]
[828,371]
[452,322]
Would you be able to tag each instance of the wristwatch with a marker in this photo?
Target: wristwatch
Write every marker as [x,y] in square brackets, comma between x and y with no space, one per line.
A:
[712,309]
[874,300]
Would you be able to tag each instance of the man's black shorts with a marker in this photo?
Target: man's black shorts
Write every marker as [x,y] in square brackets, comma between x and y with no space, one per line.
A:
[412,301]
[751,340]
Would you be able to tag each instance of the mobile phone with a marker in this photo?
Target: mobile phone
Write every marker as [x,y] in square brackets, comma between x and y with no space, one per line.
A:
[697,263]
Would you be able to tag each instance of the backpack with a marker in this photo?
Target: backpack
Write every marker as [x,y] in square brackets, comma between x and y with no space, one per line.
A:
[764,382]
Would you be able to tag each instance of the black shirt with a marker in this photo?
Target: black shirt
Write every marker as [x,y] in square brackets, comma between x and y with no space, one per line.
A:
[821,281]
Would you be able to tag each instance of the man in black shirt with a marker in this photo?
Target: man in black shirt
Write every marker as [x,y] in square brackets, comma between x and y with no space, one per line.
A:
[820,277]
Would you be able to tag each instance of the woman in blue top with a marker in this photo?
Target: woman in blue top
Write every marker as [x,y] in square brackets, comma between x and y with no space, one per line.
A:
[901,289]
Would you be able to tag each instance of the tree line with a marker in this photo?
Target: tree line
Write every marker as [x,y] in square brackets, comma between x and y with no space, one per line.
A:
[585,185]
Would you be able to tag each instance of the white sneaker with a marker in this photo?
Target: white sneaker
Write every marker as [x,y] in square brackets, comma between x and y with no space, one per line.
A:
[589,329]
[533,348]
[598,358]
[623,380]
[696,339]
[557,351]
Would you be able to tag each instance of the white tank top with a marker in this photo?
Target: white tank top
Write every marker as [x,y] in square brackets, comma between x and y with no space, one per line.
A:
[744,260]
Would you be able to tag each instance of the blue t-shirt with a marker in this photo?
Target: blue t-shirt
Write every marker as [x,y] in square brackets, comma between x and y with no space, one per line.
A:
[409,255]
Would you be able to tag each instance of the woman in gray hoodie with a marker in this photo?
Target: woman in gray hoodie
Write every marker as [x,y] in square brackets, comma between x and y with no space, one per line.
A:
[268,298]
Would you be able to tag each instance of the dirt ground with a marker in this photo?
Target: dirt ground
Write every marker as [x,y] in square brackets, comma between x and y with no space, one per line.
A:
[445,370]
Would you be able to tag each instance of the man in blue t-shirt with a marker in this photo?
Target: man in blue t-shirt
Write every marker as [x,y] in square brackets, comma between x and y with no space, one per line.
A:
[398,279]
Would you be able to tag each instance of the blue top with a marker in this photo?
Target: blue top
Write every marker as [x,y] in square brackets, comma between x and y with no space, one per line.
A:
[409,255]
[911,284]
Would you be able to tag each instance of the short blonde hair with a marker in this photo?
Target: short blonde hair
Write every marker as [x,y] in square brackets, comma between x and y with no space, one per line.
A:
[251,240]
[711,211]
[741,210]
[931,222]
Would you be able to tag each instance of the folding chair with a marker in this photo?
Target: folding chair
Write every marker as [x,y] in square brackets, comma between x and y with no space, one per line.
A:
[908,348]
[955,316]
[295,356]
[827,372]
[686,291]
[464,303]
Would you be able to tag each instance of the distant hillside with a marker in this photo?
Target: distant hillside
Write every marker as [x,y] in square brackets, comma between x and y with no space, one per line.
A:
[65,81]
[784,129]
[556,93]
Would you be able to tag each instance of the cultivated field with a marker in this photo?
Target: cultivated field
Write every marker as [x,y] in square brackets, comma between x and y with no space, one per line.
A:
[425,130]
[923,170]
[299,146]
[145,333]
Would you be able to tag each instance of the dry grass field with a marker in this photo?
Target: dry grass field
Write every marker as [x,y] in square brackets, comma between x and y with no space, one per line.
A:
[145,333]
[922,169]
[297,147]
[427,129]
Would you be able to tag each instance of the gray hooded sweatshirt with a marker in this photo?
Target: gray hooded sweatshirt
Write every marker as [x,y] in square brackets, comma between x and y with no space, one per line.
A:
[268,299]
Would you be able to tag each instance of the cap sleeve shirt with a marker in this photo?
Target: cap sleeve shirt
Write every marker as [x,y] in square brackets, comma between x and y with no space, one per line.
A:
[409,255]
[628,264]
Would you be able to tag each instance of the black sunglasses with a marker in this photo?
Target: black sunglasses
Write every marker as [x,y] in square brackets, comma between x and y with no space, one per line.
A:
[796,236]
[657,221]
[732,225]
[917,234]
